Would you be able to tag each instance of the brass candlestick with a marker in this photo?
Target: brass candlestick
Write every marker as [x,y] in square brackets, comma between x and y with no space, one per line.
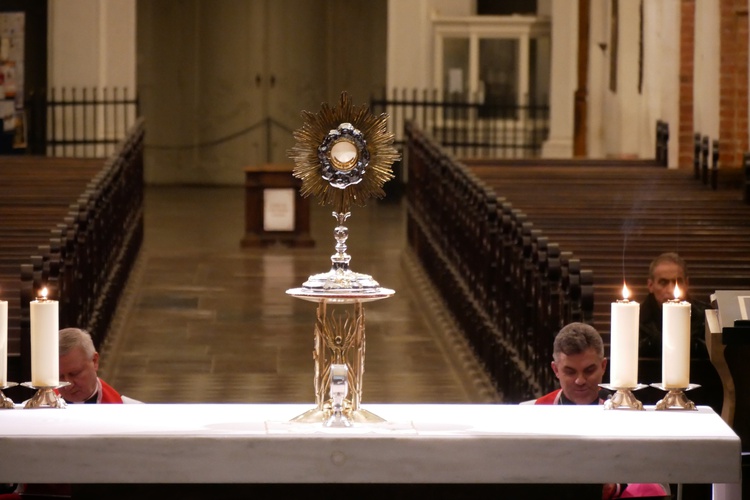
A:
[623,398]
[45,396]
[675,398]
[5,402]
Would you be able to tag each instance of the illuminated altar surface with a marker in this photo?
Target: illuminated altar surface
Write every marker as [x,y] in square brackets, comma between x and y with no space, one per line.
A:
[247,443]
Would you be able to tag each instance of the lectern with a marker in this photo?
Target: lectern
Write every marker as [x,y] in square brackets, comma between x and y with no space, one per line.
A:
[274,211]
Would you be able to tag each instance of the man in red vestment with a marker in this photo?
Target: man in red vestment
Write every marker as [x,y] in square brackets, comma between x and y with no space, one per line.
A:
[79,363]
[579,363]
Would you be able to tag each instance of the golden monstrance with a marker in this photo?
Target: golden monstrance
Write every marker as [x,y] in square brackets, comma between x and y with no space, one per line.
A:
[343,156]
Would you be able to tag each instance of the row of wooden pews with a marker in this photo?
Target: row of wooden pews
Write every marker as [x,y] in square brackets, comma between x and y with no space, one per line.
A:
[520,248]
[707,168]
[617,218]
[493,267]
[74,226]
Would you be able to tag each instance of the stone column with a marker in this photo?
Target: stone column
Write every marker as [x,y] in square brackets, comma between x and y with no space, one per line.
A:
[563,79]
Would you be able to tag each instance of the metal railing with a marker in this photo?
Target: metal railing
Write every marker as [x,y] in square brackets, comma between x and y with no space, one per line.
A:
[465,124]
[80,122]
[272,131]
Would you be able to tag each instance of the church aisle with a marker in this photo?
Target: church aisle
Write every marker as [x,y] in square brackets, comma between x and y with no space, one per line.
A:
[203,320]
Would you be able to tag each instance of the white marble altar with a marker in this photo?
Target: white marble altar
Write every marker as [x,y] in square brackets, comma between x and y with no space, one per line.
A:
[257,443]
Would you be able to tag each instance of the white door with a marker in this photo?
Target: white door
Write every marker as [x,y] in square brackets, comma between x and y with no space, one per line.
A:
[265,75]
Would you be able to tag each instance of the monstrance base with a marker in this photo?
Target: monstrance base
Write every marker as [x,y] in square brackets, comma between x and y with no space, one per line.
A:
[341,296]
[623,398]
[45,396]
[675,398]
[318,416]
[340,279]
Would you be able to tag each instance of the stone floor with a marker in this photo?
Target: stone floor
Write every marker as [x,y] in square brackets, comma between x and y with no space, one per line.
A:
[203,320]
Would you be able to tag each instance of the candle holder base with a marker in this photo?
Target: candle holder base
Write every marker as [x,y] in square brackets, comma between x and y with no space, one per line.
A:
[623,398]
[45,396]
[5,402]
[675,398]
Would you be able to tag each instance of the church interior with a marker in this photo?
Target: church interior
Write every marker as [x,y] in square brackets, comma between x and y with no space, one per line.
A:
[181,206]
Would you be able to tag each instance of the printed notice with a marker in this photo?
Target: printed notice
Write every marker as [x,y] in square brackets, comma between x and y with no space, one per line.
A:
[278,209]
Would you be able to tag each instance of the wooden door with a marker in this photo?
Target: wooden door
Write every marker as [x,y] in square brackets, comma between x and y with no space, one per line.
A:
[263,62]
[295,78]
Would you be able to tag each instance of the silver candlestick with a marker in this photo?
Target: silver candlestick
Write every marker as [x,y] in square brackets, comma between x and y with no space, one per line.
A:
[5,402]
[45,396]
[675,398]
[623,398]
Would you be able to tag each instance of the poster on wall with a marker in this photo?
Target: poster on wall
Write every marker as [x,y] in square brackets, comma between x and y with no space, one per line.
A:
[11,79]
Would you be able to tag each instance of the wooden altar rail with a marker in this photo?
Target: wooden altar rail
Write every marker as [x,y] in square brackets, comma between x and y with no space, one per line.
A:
[487,261]
[74,226]
[512,283]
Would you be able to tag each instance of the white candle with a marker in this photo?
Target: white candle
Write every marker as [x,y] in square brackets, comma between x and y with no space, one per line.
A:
[623,342]
[675,357]
[45,338]
[3,343]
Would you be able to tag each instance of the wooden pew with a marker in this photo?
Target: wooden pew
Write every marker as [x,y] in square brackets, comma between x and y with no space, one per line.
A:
[514,276]
[73,225]
[34,195]
[639,213]
[453,214]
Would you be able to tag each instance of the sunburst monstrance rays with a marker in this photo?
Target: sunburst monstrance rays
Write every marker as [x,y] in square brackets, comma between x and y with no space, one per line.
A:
[343,154]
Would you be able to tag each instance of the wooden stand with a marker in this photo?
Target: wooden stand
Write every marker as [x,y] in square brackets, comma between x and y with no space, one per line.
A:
[339,340]
[274,176]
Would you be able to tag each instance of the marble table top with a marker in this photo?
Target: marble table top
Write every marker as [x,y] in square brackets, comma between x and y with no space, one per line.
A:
[257,443]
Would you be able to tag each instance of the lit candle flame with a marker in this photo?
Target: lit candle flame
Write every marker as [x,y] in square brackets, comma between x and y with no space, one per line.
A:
[676,291]
[625,292]
[43,293]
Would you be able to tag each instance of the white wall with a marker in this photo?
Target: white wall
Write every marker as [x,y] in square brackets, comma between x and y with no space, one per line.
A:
[563,80]
[620,107]
[628,94]
[706,68]
[597,77]
[661,74]
[623,123]
[410,56]
[409,39]
[91,43]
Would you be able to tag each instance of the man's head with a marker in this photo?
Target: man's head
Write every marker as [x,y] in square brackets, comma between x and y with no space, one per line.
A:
[579,362]
[79,363]
[665,271]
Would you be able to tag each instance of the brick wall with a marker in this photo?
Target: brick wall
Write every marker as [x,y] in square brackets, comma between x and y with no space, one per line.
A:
[687,49]
[733,80]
